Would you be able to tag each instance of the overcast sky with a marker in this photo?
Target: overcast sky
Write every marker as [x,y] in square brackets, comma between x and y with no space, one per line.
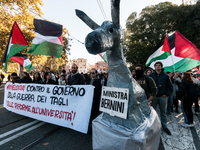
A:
[63,12]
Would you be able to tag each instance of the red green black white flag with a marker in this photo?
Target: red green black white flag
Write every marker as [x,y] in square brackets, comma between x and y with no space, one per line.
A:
[162,52]
[184,53]
[48,40]
[23,60]
[103,56]
[16,43]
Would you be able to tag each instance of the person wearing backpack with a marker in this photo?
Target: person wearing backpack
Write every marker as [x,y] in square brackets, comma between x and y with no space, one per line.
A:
[146,82]
[186,99]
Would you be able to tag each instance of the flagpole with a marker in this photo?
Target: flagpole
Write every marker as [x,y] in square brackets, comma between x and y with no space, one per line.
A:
[173,63]
[37,62]
[170,53]
[55,65]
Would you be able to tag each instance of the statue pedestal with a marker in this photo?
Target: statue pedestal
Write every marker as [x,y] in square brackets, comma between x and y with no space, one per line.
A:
[144,137]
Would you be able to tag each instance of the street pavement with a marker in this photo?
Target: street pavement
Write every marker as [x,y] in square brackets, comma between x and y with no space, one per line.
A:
[182,138]
[26,130]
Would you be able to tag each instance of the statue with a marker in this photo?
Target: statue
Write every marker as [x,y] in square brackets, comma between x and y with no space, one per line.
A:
[141,129]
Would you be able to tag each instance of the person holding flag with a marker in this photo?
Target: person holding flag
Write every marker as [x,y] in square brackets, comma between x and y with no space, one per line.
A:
[16,43]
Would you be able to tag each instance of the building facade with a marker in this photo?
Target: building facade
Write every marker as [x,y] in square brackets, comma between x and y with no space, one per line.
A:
[101,66]
[83,65]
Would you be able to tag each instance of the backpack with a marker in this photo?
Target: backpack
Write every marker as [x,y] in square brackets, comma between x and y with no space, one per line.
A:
[194,90]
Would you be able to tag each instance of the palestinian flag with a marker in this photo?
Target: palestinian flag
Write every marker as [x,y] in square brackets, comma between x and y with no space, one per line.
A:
[23,60]
[48,40]
[103,56]
[184,54]
[162,52]
[16,43]
[195,71]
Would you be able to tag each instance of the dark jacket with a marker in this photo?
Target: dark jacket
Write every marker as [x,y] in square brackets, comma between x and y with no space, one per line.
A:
[76,79]
[50,82]
[26,80]
[148,84]
[38,81]
[184,88]
[16,79]
[96,97]
[163,83]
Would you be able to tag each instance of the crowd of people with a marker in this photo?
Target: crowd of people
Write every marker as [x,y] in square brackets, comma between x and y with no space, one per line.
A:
[63,78]
[166,90]
[162,89]
[71,78]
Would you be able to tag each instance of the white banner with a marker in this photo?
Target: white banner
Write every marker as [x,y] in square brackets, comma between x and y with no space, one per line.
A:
[114,101]
[67,106]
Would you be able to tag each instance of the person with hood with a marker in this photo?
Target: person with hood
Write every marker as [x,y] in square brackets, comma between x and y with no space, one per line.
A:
[165,89]
[146,82]
[186,99]
[26,78]
[75,78]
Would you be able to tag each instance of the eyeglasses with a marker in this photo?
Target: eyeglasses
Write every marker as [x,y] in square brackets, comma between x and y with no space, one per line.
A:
[92,72]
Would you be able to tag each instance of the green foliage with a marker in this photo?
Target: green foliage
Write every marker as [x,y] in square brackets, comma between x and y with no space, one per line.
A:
[145,32]
[23,12]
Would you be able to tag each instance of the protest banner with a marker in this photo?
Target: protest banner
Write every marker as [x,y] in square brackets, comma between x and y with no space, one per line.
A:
[67,106]
[114,101]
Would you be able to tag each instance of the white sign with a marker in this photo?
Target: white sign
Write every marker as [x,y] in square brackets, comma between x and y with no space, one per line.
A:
[67,106]
[114,101]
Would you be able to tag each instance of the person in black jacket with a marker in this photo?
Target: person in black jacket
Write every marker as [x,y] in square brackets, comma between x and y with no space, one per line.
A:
[186,99]
[75,78]
[26,78]
[165,89]
[15,78]
[96,82]
[146,82]
[37,78]
[48,79]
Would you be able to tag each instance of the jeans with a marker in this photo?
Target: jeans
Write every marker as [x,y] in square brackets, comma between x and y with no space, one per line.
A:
[169,104]
[162,102]
[186,106]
